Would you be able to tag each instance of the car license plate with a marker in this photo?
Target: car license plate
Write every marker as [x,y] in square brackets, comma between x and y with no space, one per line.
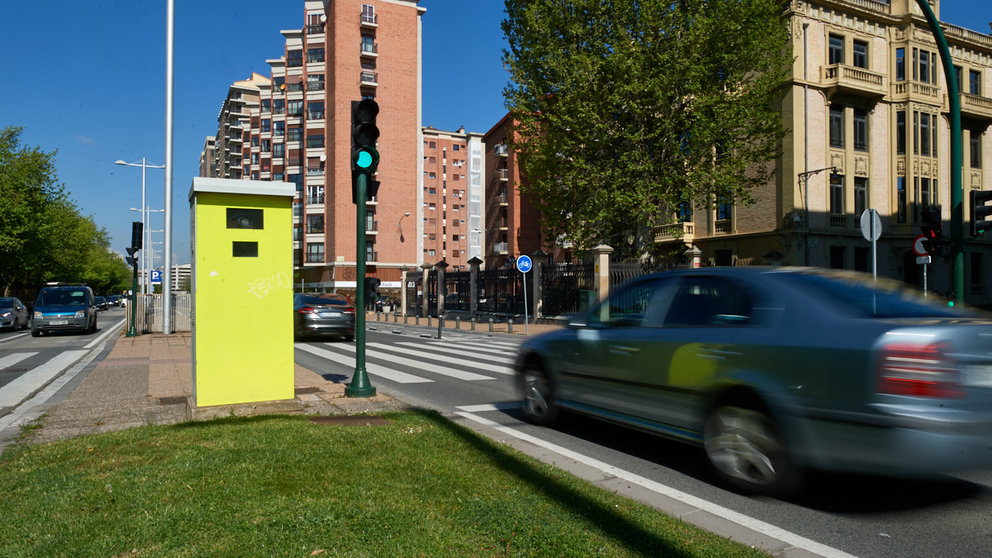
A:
[59,322]
[979,375]
[330,314]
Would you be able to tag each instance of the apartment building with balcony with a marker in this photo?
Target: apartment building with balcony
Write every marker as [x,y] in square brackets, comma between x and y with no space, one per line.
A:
[299,131]
[868,124]
[453,197]
[512,220]
[224,154]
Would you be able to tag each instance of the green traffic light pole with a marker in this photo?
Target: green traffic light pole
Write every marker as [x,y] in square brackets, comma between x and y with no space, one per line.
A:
[360,386]
[957,193]
[131,331]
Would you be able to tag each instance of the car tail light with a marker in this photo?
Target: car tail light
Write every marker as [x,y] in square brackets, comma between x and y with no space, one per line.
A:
[307,310]
[349,311]
[918,371]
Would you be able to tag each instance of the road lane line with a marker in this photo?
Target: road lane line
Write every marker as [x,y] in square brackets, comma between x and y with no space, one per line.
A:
[12,359]
[466,352]
[479,347]
[12,394]
[12,337]
[757,525]
[113,329]
[371,368]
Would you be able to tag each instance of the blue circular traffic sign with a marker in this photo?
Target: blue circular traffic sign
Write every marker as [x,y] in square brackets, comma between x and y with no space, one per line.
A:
[524,263]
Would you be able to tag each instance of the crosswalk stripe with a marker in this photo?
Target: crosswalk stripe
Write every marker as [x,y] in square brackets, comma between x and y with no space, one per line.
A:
[480,347]
[12,359]
[435,369]
[460,350]
[371,368]
[468,359]
[24,385]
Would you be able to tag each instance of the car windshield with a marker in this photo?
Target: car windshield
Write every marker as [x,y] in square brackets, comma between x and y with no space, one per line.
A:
[62,298]
[323,300]
[6,303]
[860,295]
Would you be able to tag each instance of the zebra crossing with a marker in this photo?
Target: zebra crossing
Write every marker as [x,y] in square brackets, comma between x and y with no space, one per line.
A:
[35,376]
[465,359]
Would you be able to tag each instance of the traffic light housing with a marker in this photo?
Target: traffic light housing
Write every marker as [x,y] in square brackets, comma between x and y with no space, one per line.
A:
[981,211]
[137,228]
[932,229]
[131,260]
[364,155]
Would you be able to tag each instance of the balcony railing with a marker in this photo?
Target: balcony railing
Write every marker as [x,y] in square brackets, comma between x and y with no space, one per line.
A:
[315,86]
[372,227]
[315,171]
[852,79]
[914,88]
[315,200]
[500,248]
[838,220]
[370,19]
[500,150]
[674,231]
[371,256]
[503,174]
[369,77]
[315,29]
[315,258]
[370,49]
[976,106]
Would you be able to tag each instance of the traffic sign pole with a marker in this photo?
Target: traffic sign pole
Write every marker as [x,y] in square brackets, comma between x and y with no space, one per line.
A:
[524,264]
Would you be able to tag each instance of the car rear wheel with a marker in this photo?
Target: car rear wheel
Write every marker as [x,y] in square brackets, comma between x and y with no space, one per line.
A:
[538,395]
[35,333]
[746,448]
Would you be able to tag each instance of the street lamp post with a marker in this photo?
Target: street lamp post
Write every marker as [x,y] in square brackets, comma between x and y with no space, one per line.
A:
[144,209]
[146,259]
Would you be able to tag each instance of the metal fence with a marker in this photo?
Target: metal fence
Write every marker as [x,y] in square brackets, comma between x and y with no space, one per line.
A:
[567,288]
[501,291]
[149,313]
[458,291]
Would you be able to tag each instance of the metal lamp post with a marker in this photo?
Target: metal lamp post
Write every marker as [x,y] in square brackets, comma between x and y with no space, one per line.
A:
[144,164]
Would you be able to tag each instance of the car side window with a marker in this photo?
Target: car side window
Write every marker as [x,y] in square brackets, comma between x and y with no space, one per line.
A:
[630,306]
[709,301]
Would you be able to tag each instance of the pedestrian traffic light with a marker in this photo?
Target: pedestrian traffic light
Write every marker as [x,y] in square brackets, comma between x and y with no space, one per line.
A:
[933,230]
[364,155]
[131,260]
[981,211]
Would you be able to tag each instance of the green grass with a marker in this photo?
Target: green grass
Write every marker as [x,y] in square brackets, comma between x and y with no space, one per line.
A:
[283,486]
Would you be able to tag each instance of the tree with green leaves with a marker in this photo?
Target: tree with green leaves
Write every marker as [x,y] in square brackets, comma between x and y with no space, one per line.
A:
[628,111]
[42,235]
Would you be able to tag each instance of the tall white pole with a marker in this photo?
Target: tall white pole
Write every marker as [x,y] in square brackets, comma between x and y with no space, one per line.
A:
[169,72]
[144,229]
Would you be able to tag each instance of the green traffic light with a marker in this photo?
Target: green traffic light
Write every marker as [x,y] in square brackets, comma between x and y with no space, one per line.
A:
[364,159]
[950,303]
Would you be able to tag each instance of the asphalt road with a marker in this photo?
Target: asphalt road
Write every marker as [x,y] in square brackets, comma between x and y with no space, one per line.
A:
[850,514]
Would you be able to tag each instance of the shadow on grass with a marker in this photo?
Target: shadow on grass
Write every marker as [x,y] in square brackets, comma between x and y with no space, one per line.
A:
[609,521]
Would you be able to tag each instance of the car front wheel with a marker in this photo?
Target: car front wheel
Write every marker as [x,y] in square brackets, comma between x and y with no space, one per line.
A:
[746,448]
[538,396]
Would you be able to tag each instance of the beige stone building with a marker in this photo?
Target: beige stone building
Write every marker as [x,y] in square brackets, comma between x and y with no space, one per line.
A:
[868,124]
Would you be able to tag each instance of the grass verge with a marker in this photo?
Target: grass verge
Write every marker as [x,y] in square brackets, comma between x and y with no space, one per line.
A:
[283,486]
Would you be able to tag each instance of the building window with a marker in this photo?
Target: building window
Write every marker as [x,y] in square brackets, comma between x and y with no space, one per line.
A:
[901,199]
[294,58]
[315,194]
[315,110]
[315,224]
[924,66]
[279,106]
[860,130]
[266,145]
[278,150]
[974,82]
[266,105]
[860,54]
[901,132]
[314,142]
[315,55]
[975,144]
[836,126]
[295,134]
[836,52]
[368,14]
[900,64]
[294,108]
[860,195]
[368,43]
[924,134]
[315,82]
[315,252]
[266,125]
[836,194]
[925,193]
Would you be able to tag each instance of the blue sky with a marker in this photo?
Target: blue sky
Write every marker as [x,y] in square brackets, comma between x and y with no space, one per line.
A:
[88,79]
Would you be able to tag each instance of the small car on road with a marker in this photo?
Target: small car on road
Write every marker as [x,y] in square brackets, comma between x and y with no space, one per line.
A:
[773,371]
[63,307]
[323,314]
[13,313]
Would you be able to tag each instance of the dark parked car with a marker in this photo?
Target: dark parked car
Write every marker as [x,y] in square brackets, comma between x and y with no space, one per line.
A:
[13,313]
[101,303]
[64,308]
[114,300]
[775,370]
[323,314]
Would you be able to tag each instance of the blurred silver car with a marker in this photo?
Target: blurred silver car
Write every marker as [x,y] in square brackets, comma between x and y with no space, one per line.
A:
[775,370]
[323,314]
[13,313]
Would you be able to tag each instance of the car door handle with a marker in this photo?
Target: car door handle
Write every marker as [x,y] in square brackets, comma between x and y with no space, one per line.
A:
[623,350]
[716,354]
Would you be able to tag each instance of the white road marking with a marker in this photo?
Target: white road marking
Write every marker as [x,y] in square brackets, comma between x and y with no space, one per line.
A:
[426,367]
[468,360]
[24,385]
[113,329]
[467,351]
[371,368]
[12,359]
[757,525]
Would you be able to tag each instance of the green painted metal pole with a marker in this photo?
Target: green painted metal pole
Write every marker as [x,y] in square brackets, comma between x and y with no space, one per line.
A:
[131,331]
[957,192]
[360,386]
